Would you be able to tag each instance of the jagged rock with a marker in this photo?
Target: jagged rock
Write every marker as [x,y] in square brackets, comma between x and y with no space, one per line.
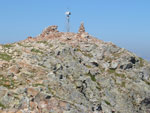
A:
[50,29]
[29,37]
[85,35]
[50,73]
[14,69]
[114,64]
[145,73]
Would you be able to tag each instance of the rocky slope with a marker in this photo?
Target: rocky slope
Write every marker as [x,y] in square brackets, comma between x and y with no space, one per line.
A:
[58,72]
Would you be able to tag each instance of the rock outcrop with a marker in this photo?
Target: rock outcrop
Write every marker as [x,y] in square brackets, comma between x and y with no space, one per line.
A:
[59,72]
[50,29]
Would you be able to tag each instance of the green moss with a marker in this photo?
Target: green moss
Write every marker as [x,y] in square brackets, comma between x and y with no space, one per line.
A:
[108,103]
[2,106]
[5,56]
[92,77]
[36,51]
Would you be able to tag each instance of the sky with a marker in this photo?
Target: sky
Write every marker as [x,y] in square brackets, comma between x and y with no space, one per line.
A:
[126,23]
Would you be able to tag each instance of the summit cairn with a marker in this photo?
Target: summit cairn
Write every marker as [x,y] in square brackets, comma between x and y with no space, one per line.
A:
[81,28]
[82,32]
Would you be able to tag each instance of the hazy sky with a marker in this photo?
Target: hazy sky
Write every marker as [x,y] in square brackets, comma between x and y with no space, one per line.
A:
[123,22]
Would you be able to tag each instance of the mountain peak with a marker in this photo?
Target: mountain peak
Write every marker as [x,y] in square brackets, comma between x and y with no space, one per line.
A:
[71,73]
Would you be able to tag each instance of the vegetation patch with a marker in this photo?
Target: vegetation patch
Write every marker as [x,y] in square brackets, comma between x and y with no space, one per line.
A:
[5,56]
[112,71]
[2,106]
[20,44]
[108,59]
[38,84]
[44,42]
[120,75]
[87,54]
[50,45]
[62,43]
[88,66]
[99,87]
[36,51]
[108,103]
[8,45]
[141,62]
[7,82]
[92,77]
[147,82]
[123,84]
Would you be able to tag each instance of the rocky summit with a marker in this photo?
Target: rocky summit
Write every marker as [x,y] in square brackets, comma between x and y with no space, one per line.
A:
[59,72]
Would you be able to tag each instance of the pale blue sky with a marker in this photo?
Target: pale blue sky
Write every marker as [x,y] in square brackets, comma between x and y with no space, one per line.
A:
[123,22]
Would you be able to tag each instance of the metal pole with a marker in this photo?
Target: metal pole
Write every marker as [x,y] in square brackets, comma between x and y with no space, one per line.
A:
[68,20]
[68,25]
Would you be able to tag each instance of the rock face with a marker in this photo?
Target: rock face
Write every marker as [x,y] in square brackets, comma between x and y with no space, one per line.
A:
[65,73]
[50,29]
